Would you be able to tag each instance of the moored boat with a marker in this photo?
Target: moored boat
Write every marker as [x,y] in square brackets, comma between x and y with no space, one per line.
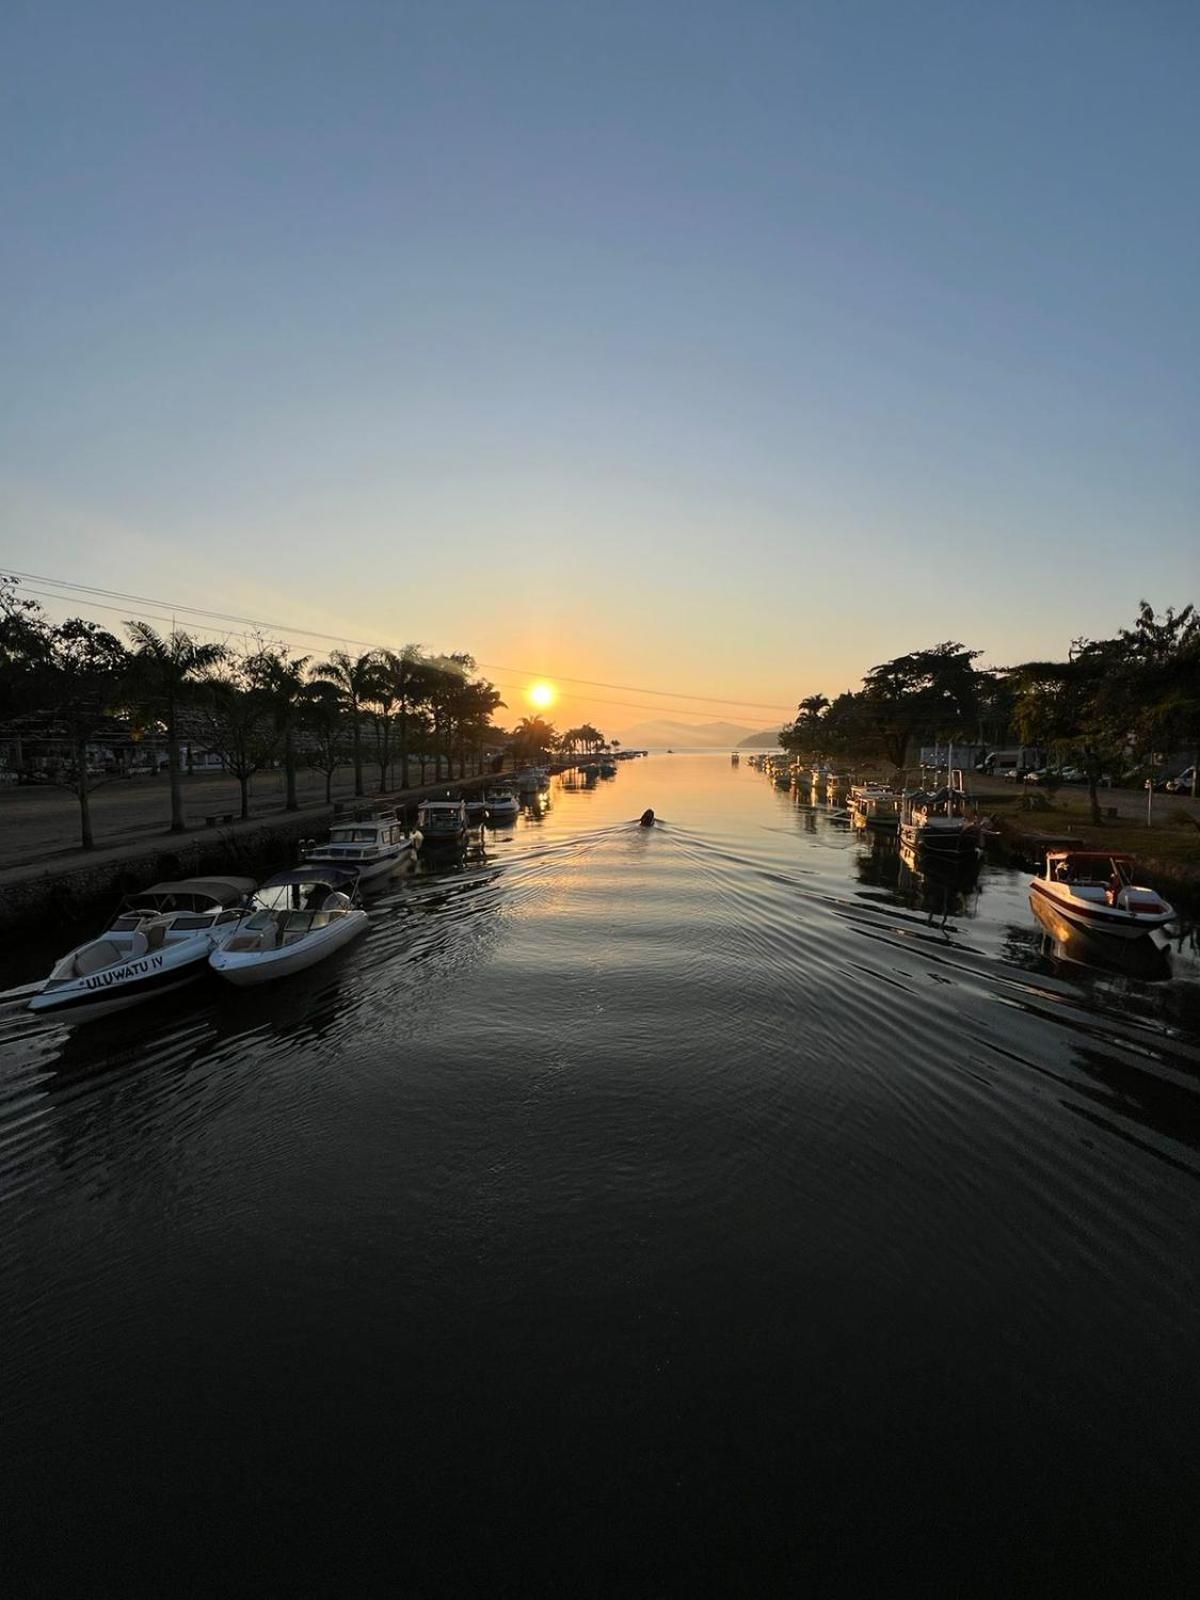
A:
[297,919]
[874,806]
[372,846]
[941,823]
[502,805]
[1095,890]
[442,822]
[160,938]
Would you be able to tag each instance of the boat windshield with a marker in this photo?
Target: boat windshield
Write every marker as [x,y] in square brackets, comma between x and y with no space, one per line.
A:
[1092,870]
[353,835]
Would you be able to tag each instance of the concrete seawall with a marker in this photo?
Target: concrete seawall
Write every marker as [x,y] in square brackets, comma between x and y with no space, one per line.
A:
[81,884]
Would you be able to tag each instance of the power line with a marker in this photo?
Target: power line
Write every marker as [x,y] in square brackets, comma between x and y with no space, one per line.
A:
[666,712]
[367,644]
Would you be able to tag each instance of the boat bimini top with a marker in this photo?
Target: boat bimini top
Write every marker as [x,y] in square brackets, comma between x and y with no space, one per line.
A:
[309,889]
[184,899]
[190,894]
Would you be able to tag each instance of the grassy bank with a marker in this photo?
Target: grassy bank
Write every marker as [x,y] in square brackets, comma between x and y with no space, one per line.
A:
[1168,852]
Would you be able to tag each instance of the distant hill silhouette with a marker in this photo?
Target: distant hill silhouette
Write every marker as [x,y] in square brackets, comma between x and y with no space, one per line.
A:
[690,736]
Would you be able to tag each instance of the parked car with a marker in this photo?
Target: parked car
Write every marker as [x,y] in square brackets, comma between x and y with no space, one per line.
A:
[1182,784]
[1073,775]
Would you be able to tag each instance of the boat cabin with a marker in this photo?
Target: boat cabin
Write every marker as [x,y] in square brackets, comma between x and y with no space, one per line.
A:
[363,840]
[442,819]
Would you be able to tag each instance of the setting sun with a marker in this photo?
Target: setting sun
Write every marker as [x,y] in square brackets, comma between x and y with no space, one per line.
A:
[541,695]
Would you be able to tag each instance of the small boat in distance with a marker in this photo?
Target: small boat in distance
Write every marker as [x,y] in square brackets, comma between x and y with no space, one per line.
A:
[371,845]
[1095,890]
[297,919]
[874,806]
[160,938]
[441,822]
[502,805]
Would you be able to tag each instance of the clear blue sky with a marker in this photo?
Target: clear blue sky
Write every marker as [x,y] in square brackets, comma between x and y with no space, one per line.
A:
[732,346]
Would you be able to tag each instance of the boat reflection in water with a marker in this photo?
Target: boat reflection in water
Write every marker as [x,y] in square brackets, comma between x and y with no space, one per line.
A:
[1063,941]
[941,886]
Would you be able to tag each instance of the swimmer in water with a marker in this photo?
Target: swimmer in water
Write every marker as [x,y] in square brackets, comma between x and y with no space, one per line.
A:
[647,819]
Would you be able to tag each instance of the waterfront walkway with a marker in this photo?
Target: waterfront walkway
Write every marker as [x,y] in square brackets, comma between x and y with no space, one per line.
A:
[39,828]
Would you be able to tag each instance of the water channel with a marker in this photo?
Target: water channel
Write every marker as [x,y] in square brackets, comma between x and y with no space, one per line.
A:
[630,1211]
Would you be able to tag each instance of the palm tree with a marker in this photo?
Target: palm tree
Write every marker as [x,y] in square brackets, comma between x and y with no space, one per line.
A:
[163,676]
[354,679]
[324,726]
[532,737]
[409,676]
[282,680]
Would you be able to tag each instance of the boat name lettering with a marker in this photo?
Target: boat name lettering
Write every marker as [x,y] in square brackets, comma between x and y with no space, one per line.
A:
[102,980]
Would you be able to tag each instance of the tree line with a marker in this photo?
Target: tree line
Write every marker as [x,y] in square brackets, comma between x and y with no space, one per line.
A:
[1111,705]
[68,687]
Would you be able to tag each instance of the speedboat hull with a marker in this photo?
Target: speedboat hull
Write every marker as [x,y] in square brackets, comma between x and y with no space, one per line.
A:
[368,871]
[248,968]
[116,988]
[1093,916]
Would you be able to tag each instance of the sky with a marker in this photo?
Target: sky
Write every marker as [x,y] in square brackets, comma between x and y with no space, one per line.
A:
[719,349]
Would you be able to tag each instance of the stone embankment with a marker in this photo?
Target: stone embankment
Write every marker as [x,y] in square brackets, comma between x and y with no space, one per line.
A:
[66,887]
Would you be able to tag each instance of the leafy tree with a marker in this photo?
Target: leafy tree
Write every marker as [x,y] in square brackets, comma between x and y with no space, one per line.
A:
[927,690]
[241,726]
[327,744]
[25,648]
[164,672]
[1077,702]
[1161,671]
[79,687]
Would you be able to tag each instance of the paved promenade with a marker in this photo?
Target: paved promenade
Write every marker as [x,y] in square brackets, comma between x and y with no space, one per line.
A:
[39,828]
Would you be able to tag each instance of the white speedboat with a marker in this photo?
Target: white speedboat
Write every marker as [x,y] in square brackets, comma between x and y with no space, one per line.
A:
[372,846]
[502,805]
[1094,889]
[160,938]
[297,919]
[442,822]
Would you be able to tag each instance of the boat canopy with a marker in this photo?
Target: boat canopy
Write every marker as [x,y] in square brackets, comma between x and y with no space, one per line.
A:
[331,877]
[191,894]
[1089,855]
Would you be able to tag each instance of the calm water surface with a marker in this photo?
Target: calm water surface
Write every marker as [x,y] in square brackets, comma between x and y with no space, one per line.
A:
[702,1209]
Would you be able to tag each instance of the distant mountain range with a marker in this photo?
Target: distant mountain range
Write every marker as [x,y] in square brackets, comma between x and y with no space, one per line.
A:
[690,736]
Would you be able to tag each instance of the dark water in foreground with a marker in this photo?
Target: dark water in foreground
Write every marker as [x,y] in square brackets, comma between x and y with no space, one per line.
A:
[716,1209]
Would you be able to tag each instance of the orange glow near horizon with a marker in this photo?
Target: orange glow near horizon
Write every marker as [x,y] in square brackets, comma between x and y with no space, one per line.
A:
[541,695]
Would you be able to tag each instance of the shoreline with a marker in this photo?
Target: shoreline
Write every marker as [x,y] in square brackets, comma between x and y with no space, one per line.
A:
[68,885]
